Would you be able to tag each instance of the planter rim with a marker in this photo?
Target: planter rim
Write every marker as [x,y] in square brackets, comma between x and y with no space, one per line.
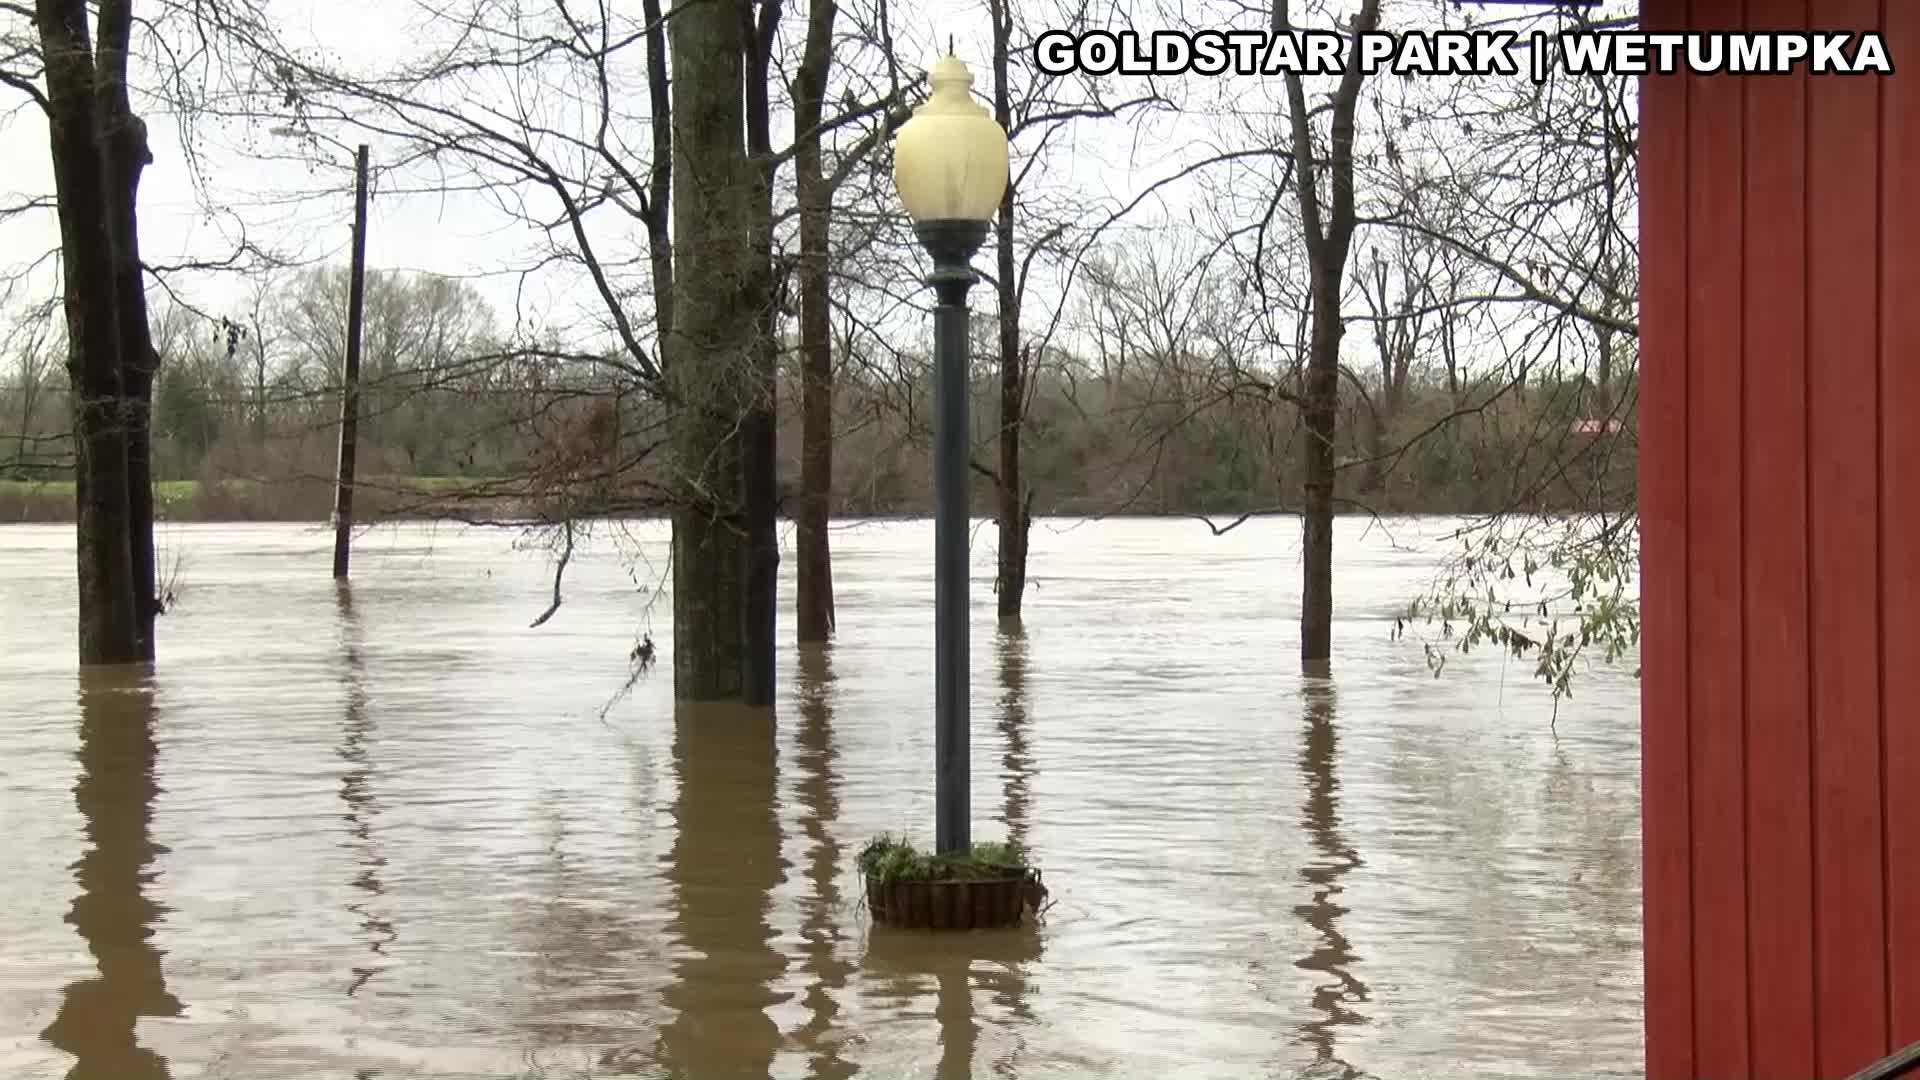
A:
[1023,872]
[969,903]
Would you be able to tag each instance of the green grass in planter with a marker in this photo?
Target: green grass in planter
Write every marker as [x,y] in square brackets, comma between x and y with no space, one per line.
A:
[888,859]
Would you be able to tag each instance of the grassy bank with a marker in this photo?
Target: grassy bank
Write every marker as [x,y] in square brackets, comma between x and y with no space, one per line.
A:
[300,499]
[403,498]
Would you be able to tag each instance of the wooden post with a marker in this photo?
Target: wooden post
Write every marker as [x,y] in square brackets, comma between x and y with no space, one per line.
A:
[350,385]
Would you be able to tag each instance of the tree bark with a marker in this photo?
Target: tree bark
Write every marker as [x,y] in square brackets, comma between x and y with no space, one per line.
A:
[1328,237]
[760,457]
[109,611]
[125,154]
[1602,405]
[814,613]
[1376,476]
[1320,415]
[715,354]
[709,352]
[657,202]
[1396,329]
[1013,506]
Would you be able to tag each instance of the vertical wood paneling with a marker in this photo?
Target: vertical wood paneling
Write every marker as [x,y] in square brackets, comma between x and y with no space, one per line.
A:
[1900,515]
[1843,501]
[1665,823]
[1780,536]
[1779,796]
[1715,719]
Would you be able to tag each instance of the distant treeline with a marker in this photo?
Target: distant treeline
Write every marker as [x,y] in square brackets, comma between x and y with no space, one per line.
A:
[457,420]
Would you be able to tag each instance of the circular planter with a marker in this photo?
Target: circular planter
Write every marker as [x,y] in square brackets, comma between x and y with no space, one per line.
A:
[968,904]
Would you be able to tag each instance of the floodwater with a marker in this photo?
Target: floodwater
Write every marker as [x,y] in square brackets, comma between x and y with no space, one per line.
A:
[394,832]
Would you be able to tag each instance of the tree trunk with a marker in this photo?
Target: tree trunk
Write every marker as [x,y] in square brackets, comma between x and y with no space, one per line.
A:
[1319,417]
[713,353]
[761,492]
[260,396]
[814,614]
[657,202]
[1602,405]
[1328,232]
[109,612]
[761,484]
[1377,421]
[123,145]
[1013,505]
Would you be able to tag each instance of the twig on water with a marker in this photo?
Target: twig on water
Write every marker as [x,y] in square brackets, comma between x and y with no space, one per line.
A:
[559,571]
[640,662]
[1222,530]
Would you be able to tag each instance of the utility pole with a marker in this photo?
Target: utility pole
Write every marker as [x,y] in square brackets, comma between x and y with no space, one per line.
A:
[350,385]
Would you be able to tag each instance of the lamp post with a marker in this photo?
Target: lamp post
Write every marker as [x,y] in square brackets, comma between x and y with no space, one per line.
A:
[950,167]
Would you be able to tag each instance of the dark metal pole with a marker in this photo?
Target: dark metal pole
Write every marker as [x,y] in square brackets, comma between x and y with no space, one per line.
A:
[350,386]
[952,244]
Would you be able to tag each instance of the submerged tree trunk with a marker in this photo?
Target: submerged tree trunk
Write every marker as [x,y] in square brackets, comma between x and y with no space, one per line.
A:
[760,490]
[109,610]
[123,145]
[760,485]
[814,614]
[1013,505]
[1328,237]
[1319,416]
[713,355]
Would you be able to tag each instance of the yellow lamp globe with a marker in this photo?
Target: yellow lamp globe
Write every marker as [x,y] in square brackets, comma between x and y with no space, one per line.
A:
[950,158]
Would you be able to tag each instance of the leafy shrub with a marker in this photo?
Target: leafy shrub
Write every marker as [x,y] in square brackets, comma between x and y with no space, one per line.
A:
[887,858]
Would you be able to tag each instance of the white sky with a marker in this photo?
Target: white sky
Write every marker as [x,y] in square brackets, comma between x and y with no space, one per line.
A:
[303,208]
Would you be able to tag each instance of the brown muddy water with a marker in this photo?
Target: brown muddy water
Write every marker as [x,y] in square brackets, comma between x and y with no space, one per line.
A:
[397,833]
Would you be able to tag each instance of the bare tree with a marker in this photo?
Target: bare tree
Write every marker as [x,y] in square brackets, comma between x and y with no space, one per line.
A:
[33,343]
[123,145]
[818,188]
[99,149]
[1399,334]
[1015,498]
[813,607]
[722,354]
[565,142]
[1327,223]
[1034,114]
[1531,201]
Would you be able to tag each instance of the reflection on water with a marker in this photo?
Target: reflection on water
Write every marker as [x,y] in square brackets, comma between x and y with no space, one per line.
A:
[955,970]
[112,912]
[724,865]
[827,971]
[1332,957]
[409,840]
[1010,649]
[356,792]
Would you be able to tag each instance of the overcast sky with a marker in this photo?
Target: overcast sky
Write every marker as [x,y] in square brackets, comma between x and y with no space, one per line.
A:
[301,204]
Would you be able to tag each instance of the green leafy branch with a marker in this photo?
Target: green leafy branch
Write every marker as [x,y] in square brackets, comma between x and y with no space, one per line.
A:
[1583,600]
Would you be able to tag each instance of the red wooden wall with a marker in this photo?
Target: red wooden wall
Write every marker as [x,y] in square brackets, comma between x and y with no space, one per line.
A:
[1780,510]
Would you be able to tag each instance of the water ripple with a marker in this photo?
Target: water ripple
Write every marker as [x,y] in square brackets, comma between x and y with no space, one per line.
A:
[386,831]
